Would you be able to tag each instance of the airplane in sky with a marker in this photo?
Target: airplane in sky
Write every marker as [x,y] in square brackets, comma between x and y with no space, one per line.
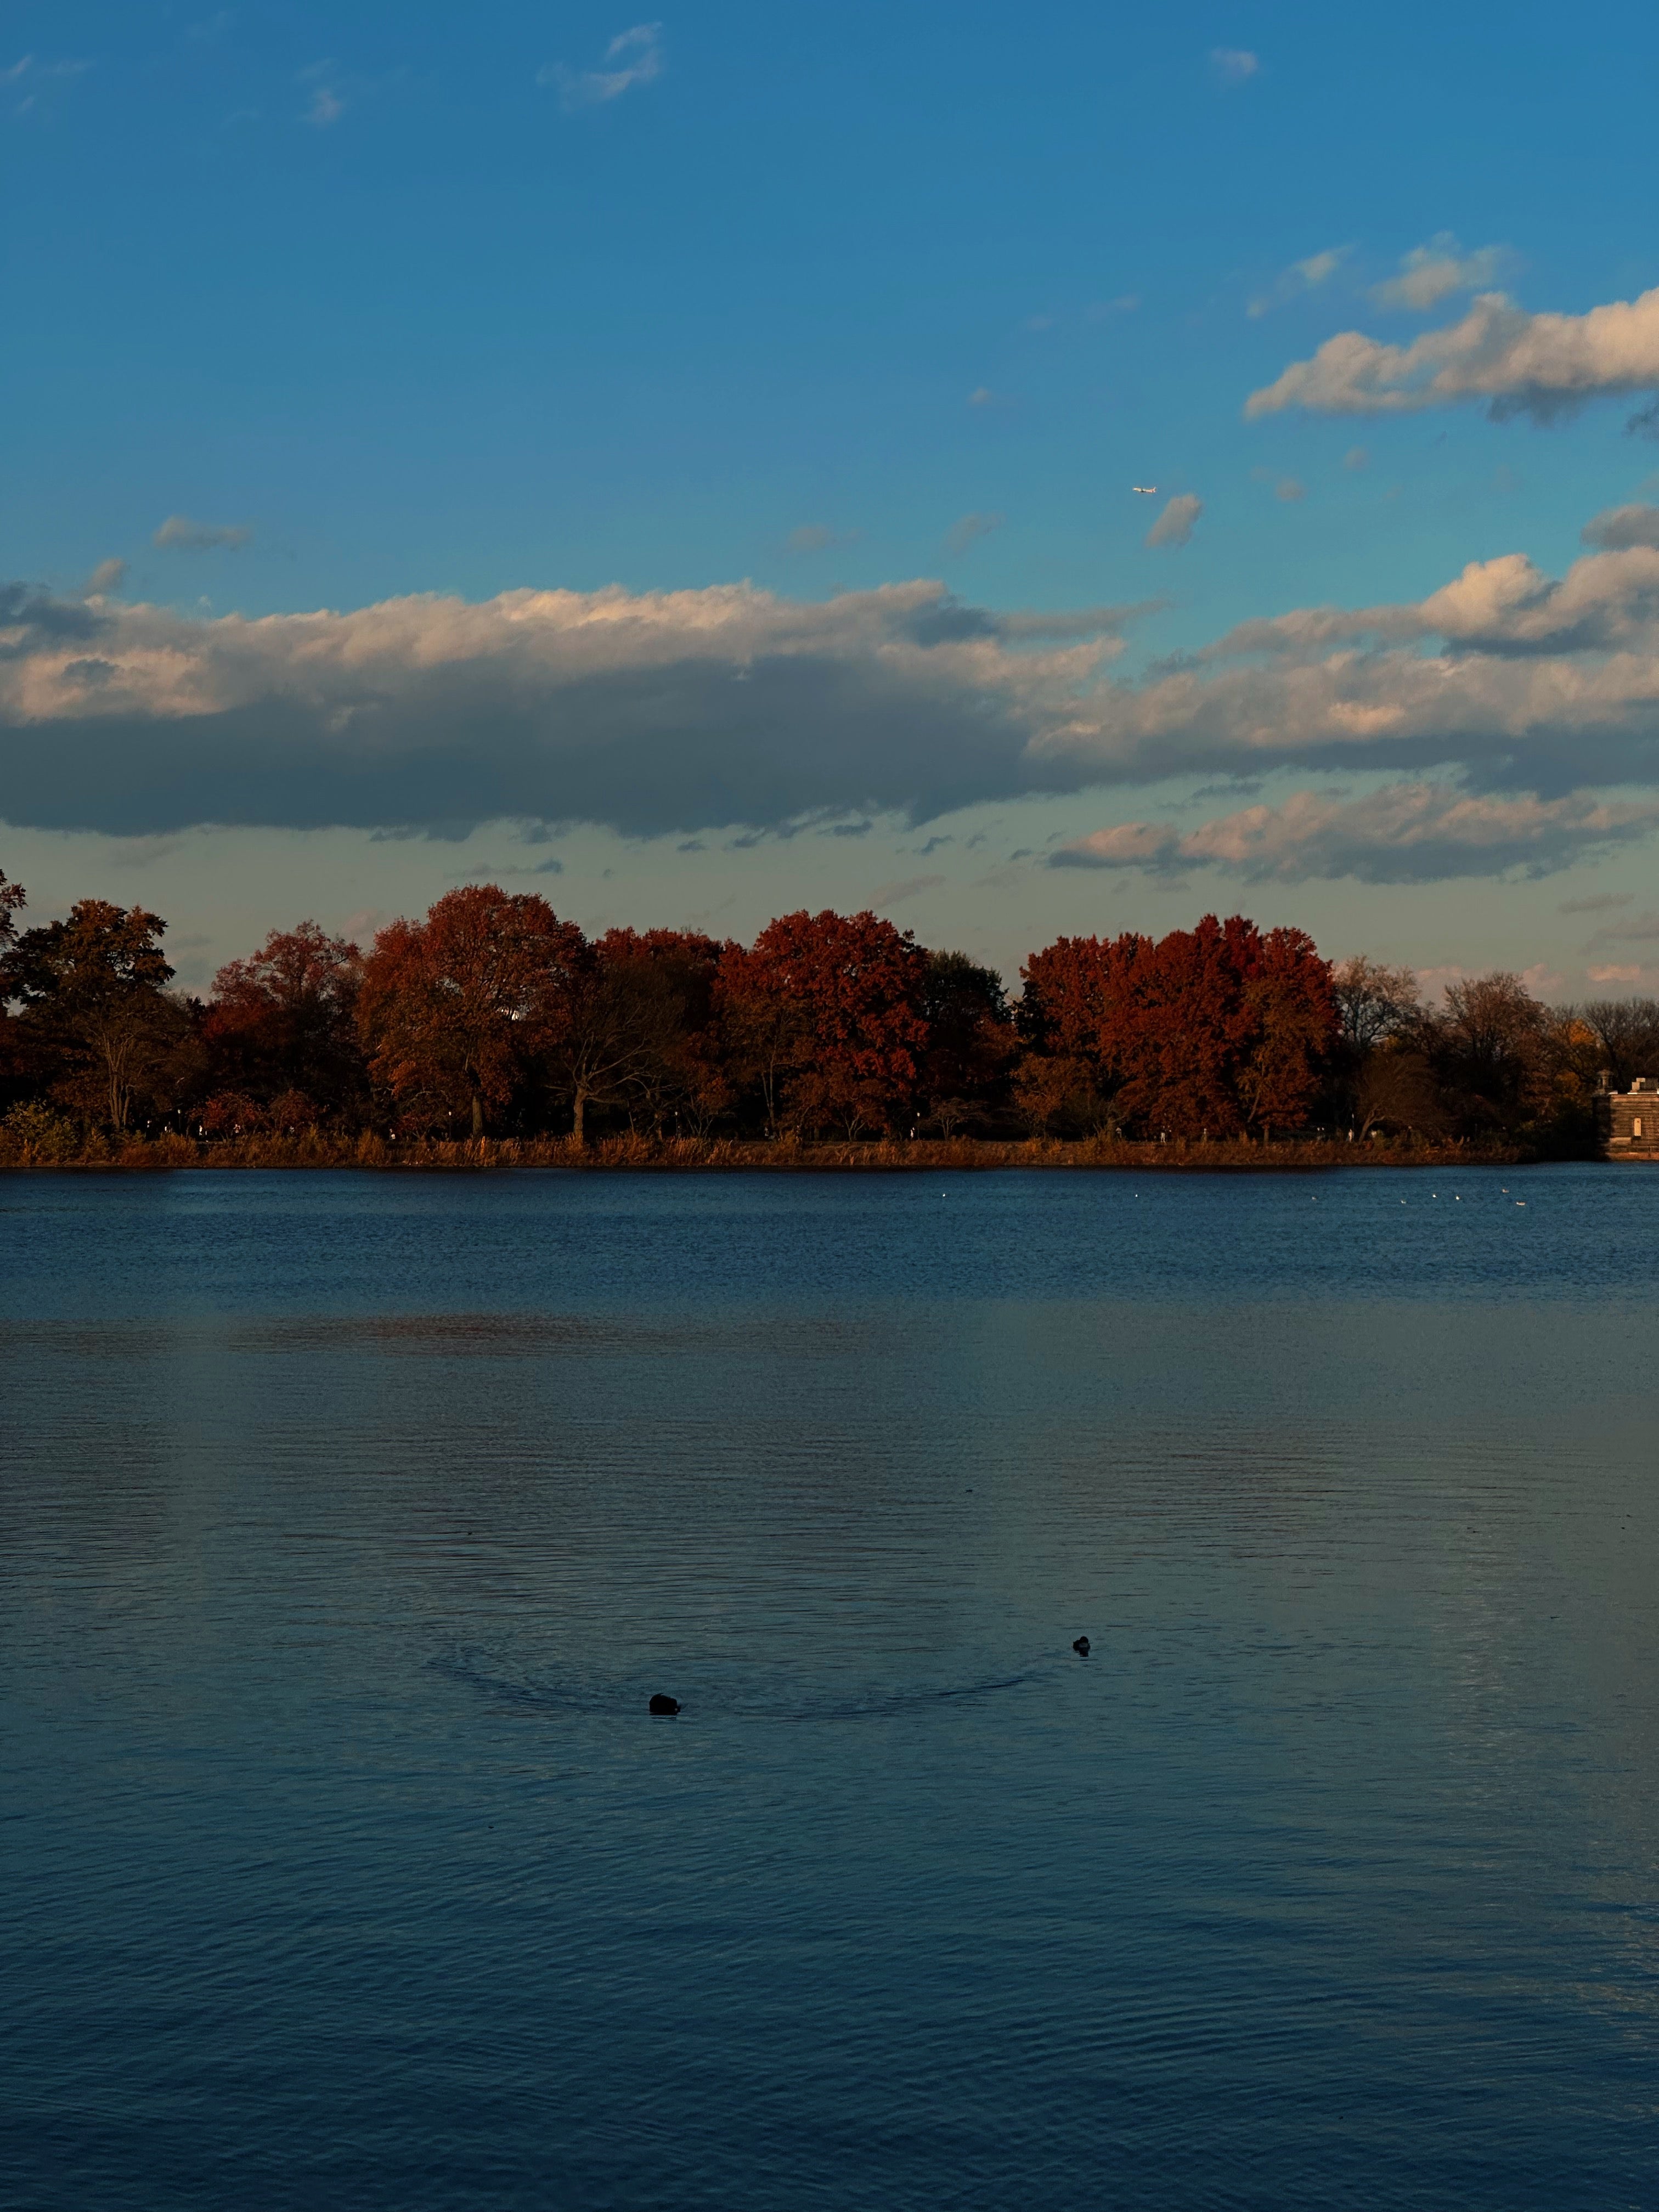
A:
[1146,491]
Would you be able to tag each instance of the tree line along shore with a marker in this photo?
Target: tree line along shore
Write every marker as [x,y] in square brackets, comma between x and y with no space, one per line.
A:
[491,1032]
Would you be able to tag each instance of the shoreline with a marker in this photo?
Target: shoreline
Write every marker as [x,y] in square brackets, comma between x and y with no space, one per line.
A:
[691,1156]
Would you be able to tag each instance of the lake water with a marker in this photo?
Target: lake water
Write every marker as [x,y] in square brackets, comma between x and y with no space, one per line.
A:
[348,1522]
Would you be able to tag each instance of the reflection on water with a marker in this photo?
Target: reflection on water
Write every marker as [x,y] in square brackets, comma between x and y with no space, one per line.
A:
[350,1523]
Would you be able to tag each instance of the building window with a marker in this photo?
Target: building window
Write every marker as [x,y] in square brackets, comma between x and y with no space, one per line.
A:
[1636,1126]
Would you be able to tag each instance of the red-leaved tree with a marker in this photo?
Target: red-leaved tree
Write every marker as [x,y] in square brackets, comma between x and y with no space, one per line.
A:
[826,1014]
[454,1010]
[1216,1028]
[283,1022]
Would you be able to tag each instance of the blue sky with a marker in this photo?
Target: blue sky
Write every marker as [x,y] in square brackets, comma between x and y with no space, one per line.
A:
[346,305]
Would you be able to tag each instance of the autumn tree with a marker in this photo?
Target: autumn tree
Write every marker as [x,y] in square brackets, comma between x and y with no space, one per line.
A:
[826,1015]
[645,1032]
[619,1021]
[971,1043]
[1076,1016]
[767,1031]
[1394,1089]
[454,1010]
[11,1059]
[1212,1029]
[1292,1025]
[1489,1046]
[1624,1036]
[1379,1075]
[95,1013]
[281,1024]
[1373,1003]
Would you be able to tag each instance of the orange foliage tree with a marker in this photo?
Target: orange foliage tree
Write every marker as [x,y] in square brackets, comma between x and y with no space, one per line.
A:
[455,1011]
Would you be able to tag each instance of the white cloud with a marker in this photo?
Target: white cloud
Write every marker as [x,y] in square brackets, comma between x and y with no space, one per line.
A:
[1175,525]
[1540,365]
[982,395]
[1405,833]
[1234,64]
[1620,973]
[648,711]
[1505,689]
[180,534]
[633,58]
[1617,528]
[1301,277]
[1290,489]
[1355,459]
[1431,273]
[108,576]
[971,528]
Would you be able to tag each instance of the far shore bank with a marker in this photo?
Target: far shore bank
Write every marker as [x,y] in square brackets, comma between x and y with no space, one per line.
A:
[688,1155]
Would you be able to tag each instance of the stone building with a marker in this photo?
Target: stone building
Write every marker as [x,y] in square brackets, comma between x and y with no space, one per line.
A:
[1629,1120]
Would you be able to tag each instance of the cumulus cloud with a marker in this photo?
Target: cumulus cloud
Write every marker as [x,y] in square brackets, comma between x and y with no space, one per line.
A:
[1406,833]
[1234,64]
[180,535]
[1617,527]
[1301,277]
[730,708]
[108,576]
[649,712]
[1544,365]
[633,58]
[1175,525]
[1431,273]
[1290,489]
[971,528]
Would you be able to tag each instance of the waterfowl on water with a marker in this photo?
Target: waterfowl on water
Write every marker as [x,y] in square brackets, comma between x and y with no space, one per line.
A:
[1080,1645]
[662,1705]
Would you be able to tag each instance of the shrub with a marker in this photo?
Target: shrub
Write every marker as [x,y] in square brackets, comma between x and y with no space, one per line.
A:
[34,1136]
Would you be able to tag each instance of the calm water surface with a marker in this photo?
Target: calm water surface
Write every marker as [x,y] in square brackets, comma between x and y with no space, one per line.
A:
[348,1522]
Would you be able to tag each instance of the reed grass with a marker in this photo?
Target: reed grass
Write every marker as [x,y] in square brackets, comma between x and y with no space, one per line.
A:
[372,1151]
